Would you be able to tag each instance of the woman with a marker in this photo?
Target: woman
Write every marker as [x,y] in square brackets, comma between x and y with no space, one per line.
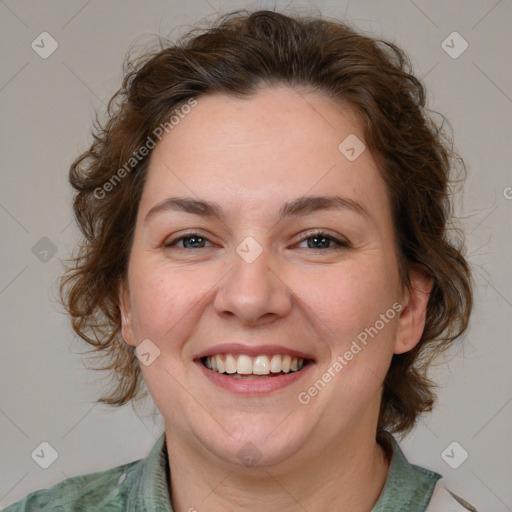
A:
[265,244]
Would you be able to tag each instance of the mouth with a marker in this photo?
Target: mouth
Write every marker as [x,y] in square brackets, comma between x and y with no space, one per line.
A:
[243,366]
[253,370]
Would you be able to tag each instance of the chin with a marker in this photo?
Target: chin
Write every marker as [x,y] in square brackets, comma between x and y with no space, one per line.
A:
[256,444]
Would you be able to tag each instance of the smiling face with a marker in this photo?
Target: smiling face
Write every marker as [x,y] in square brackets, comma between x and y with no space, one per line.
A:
[261,249]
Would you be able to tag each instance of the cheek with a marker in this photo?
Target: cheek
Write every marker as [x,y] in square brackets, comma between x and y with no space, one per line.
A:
[349,297]
[351,301]
[163,298]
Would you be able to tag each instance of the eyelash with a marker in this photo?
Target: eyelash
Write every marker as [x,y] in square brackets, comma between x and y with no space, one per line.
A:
[339,244]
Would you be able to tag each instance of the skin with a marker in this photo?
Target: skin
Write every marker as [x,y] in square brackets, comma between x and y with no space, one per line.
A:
[251,155]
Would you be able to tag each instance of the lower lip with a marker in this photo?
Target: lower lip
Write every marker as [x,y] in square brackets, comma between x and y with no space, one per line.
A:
[253,386]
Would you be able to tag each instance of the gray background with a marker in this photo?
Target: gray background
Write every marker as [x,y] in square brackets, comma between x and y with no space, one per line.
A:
[47,106]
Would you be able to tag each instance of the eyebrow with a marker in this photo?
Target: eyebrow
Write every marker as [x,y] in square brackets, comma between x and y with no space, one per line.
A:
[301,206]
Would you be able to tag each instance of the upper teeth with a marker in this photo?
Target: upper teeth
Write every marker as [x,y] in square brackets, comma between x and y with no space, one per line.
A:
[260,365]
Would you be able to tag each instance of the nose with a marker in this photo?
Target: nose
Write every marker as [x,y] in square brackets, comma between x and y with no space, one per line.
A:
[253,292]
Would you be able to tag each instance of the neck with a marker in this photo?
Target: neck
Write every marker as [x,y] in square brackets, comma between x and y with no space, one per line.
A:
[350,475]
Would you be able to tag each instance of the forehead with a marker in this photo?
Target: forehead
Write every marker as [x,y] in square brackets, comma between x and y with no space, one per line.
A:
[275,145]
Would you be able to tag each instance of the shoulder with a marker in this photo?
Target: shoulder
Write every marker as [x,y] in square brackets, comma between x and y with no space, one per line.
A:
[443,500]
[102,490]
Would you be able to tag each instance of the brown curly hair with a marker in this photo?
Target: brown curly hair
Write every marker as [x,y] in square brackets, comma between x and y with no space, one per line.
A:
[236,55]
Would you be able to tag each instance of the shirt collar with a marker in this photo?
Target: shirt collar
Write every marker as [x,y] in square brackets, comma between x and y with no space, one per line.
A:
[408,488]
[150,489]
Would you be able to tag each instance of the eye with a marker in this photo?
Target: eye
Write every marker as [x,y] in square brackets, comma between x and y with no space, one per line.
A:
[324,241]
[317,240]
[190,241]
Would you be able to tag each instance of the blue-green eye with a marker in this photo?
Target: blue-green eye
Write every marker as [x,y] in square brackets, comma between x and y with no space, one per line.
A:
[192,241]
[324,241]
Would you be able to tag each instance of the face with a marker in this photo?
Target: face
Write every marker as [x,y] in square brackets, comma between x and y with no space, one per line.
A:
[264,251]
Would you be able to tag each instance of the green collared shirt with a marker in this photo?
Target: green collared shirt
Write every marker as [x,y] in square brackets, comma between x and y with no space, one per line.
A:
[141,486]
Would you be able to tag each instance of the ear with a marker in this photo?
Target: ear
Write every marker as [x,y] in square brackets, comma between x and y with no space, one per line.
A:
[126,313]
[411,322]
